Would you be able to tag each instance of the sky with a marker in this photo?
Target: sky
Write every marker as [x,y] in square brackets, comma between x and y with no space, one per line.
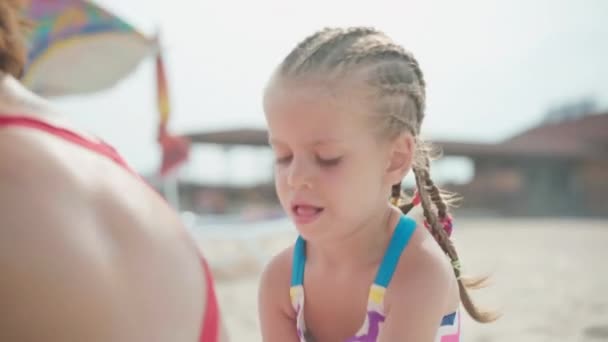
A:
[493,68]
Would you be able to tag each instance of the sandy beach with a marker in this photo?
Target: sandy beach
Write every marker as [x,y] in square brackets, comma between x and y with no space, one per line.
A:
[550,277]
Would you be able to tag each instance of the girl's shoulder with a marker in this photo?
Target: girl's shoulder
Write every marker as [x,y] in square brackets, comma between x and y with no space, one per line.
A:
[423,269]
[278,269]
[275,281]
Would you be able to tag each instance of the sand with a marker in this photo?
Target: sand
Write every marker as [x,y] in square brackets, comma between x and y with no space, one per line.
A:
[550,277]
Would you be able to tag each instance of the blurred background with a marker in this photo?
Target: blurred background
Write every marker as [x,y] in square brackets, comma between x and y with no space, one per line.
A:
[517,101]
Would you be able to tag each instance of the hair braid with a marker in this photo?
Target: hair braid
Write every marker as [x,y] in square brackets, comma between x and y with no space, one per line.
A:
[299,52]
[396,193]
[426,188]
[377,50]
[322,54]
[442,208]
[391,78]
[398,199]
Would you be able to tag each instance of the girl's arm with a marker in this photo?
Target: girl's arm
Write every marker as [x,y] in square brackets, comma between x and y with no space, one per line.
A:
[277,317]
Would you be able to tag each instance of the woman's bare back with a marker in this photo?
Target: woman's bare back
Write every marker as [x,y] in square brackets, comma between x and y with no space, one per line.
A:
[88,251]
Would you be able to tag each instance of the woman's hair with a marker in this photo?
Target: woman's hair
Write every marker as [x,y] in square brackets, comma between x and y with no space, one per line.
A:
[398,87]
[13,50]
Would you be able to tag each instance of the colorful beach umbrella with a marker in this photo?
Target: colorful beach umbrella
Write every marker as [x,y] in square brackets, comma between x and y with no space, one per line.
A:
[77,47]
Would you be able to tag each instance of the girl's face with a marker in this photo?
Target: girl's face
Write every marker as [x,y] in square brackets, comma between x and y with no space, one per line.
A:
[332,172]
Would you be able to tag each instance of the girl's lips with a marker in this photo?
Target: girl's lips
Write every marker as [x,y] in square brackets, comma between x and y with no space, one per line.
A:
[304,213]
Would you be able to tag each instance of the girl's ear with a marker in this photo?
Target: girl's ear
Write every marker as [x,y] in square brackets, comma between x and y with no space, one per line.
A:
[400,158]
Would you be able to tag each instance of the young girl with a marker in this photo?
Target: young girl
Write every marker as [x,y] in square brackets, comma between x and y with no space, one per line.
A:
[344,111]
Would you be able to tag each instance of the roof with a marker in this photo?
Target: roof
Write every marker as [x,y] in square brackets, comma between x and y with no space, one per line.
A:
[585,137]
[238,136]
[580,138]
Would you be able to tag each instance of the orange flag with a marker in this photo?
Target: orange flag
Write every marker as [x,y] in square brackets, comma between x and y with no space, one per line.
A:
[175,149]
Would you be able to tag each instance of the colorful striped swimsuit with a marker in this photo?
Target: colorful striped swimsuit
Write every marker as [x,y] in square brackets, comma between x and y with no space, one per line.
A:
[449,327]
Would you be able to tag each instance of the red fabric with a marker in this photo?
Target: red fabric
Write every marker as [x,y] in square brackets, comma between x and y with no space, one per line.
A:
[98,147]
[210,325]
[175,150]
[416,198]
[211,321]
